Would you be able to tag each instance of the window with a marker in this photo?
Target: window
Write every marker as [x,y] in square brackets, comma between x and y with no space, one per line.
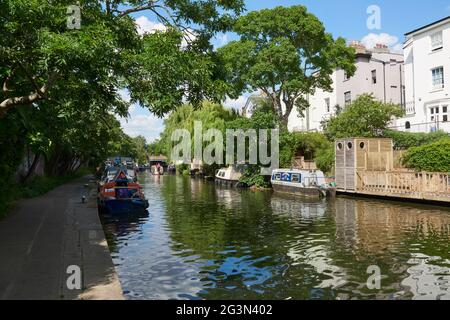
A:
[444,113]
[374,76]
[436,41]
[435,112]
[327,104]
[340,146]
[295,178]
[349,146]
[278,177]
[438,78]
[346,76]
[348,98]
[407,125]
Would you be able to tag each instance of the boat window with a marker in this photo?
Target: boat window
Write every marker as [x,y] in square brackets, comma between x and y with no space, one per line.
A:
[340,146]
[350,146]
[362,145]
[124,193]
[296,178]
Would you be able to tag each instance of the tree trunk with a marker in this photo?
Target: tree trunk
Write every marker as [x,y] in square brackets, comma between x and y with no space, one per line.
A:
[31,170]
[285,117]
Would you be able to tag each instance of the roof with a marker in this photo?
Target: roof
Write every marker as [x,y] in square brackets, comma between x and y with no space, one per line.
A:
[158,158]
[428,26]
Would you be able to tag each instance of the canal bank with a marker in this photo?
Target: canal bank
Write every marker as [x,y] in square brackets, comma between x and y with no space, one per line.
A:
[45,236]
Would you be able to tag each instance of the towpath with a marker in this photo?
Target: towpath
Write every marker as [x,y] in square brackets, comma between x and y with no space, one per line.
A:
[45,241]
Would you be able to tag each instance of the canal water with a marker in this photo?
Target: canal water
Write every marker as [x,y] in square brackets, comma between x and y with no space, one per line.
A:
[199,241]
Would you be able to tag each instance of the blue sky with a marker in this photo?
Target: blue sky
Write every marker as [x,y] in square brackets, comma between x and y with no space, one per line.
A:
[344,18]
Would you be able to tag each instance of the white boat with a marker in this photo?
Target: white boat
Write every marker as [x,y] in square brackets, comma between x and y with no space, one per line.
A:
[231,175]
[307,183]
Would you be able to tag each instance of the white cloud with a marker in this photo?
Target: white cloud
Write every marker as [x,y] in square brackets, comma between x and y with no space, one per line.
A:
[145,25]
[142,123]
[124,94]
[372,39]
[237,104]
[224,39]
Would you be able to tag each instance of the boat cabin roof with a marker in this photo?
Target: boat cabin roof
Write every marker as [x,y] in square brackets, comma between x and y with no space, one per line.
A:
[300,171]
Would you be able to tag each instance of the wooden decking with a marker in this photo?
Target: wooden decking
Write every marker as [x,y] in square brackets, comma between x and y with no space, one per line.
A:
[426,186]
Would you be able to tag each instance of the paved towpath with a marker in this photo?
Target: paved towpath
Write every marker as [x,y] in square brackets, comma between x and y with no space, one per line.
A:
[46,235]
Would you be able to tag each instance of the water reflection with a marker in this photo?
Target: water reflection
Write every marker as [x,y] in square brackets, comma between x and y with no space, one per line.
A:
[205,242]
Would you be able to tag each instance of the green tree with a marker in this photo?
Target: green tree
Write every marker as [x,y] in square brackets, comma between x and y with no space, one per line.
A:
[285,53]
[41,59]
[365,117]
[211,115]
[140,145]
[156,148]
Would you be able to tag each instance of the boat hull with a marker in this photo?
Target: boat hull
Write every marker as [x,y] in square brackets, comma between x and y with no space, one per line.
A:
[299,191]
[124,206]
[228,183]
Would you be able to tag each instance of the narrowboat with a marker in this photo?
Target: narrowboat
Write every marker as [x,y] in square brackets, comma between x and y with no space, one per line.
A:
[306,183]
[231,175]
[122,195]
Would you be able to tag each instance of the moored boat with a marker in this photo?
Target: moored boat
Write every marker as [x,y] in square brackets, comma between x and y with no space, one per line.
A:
[122,195]
[231,175]
[306,183]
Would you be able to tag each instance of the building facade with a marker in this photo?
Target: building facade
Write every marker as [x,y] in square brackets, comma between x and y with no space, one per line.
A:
[427,75]
[378,71]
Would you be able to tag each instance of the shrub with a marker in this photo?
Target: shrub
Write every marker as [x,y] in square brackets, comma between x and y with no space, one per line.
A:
[406,140]
[434,157]
[365,117]
[305,143]
[253,178]
[325,159]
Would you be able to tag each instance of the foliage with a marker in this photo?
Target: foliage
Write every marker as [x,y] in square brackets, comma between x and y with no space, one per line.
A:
[156,148]
[140,146]
[325,157]
[212,116]
[406,140]
[365,117]
[41,55]
[60,87]
[253,178]
[300,143]
[35,187]
[12,142]
[286,53]
[433,157]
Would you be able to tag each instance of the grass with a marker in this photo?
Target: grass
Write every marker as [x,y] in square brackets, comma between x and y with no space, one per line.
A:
[33,188]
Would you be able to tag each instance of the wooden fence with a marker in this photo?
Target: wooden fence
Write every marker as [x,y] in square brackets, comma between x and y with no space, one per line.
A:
[404,184]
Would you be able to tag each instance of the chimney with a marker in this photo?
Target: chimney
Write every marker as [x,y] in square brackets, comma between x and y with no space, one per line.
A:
[358,46]
[381,48]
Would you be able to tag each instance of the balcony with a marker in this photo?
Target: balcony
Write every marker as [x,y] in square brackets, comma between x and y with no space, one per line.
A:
[410,108]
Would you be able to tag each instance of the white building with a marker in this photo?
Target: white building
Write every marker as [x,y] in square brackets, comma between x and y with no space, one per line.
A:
[379,72]
[427,74]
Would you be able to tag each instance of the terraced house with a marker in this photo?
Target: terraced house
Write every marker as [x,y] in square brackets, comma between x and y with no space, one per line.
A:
[379,72]
[427,77]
